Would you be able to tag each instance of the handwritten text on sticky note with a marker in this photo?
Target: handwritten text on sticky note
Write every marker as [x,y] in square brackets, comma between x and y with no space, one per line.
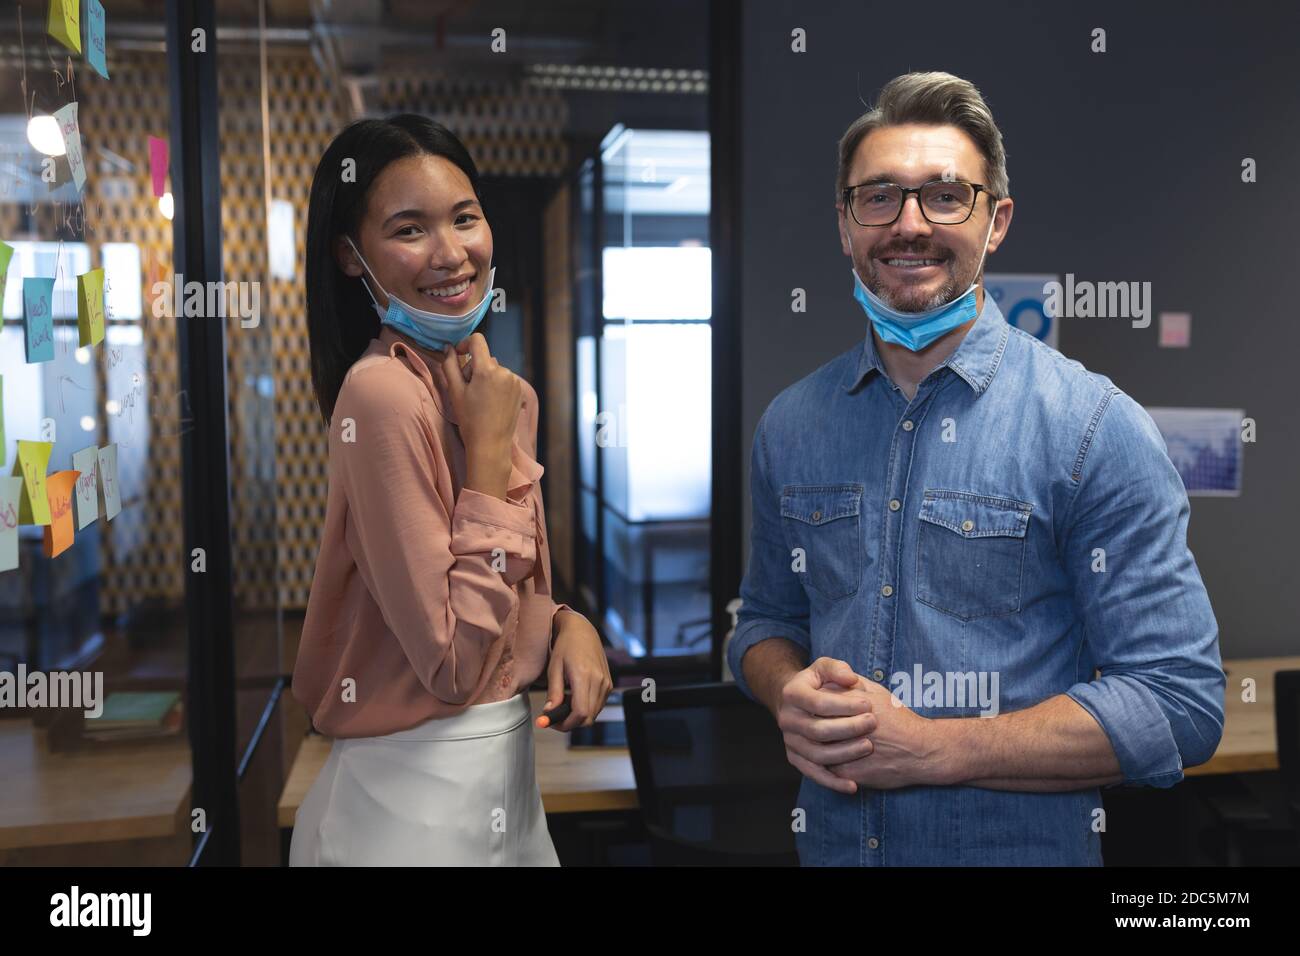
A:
[95,37]
[65,23]
[38,318]
[33,459]
[58,533]
[90,307]
[67,118]
[108,481]
[11,490]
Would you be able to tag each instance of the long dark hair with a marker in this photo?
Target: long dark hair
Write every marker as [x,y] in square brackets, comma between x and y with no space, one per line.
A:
[341,319]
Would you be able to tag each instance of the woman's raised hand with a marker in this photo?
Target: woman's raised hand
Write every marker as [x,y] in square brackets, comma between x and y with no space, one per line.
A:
[485,398]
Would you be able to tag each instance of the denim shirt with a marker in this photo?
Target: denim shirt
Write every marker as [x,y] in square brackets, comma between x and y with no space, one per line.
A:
[1020,520]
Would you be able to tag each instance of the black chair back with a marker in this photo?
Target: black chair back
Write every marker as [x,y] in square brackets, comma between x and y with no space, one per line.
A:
[712,777]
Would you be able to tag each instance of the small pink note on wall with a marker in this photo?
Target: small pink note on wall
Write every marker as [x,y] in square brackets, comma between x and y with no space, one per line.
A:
[158,164]
[1175,330]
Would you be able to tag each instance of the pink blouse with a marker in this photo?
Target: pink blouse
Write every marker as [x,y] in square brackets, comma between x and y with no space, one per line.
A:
[427,596]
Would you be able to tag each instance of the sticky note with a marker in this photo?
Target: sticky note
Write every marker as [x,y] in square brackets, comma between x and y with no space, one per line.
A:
[1175,330]
[38,318]
[11,490]
[67,119]
[95,37]
[58,533]
[6,253]
[108,481]
[90,307]
[158,164]
[65,23]
[86,463]
[33,459]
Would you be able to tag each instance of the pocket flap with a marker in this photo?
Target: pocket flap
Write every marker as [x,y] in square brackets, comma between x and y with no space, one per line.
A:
[818,504]
[976,516]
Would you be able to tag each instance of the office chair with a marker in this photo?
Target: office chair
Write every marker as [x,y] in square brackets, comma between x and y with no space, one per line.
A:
[1263,808]
[712,777]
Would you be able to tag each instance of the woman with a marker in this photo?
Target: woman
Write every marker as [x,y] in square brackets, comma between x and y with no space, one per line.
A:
[431,608]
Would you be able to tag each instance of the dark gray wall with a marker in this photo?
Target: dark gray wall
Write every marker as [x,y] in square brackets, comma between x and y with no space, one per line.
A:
[1150,135]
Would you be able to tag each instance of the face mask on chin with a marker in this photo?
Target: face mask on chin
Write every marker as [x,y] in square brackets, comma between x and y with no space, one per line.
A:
[431,329]
[916,330]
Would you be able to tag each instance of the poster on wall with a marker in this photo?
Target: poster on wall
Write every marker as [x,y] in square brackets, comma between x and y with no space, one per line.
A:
[1205,446]
[1020,298]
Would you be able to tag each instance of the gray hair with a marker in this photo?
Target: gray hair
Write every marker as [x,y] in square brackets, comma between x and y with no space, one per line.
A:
[931,99]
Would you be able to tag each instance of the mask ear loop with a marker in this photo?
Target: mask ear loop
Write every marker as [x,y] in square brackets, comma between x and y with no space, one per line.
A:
[366,265]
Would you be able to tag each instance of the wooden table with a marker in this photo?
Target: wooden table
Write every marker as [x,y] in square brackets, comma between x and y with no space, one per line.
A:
[1249,729]
[571,781]
[142,792]
[124,791]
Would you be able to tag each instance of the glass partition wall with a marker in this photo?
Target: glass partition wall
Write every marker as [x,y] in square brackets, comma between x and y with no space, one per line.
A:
[643,378]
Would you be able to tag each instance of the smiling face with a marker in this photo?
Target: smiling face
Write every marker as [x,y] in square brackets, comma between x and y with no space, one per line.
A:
[424,237]
[913,264]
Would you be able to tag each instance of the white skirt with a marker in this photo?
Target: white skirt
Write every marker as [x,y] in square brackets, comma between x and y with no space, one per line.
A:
[454,791]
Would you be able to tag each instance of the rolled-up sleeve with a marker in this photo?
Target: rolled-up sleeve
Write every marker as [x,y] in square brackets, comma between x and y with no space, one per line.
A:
[444,581]
[774,603]
[1147,620]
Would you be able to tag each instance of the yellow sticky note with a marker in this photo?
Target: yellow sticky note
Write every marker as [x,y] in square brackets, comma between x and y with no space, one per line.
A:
[33,459]
[58,533]
[65,23]
[90,307]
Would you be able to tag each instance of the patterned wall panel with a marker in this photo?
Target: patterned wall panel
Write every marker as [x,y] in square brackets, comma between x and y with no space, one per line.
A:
[278,446]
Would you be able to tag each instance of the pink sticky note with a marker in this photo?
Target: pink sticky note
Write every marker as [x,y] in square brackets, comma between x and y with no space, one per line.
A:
[1175,330]
[158,164]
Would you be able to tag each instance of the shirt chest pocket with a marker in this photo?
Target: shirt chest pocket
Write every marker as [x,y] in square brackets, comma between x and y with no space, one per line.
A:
[970,553]
[822,530]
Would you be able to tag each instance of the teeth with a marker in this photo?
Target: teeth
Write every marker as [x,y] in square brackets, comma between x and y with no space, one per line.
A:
[913,263]
[449,291]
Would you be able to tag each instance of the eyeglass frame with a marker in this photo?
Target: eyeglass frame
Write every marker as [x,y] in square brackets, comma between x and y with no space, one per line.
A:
[908,190]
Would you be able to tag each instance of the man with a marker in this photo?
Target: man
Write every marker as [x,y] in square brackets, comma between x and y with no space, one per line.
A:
[979,545]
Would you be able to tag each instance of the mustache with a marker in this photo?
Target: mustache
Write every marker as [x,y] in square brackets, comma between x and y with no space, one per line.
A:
[907,251]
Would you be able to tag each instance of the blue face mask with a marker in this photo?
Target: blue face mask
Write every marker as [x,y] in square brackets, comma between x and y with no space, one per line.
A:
[916,330]
[431,329]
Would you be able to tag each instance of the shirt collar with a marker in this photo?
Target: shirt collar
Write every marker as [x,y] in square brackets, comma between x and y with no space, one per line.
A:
[427,365]
[976,359]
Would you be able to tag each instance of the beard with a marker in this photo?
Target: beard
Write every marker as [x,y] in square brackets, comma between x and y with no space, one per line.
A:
[913,298]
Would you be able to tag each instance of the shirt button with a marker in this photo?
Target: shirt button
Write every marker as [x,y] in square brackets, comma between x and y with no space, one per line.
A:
[873,843]
[895,504]
[887,590]
[878,674]
[817,516]
[967,525]
[907,425]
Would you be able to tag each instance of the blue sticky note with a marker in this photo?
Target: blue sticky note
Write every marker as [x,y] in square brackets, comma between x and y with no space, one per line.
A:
[95,37]
[38,318]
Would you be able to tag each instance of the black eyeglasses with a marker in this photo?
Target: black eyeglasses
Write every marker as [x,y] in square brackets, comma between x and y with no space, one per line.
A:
[944,202]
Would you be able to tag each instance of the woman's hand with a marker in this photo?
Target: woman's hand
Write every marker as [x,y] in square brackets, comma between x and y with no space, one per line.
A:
[577,661]
[485,398]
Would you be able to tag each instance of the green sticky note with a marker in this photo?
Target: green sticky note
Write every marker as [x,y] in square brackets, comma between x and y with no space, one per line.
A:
[6,253]
[65,23]
[90,307]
